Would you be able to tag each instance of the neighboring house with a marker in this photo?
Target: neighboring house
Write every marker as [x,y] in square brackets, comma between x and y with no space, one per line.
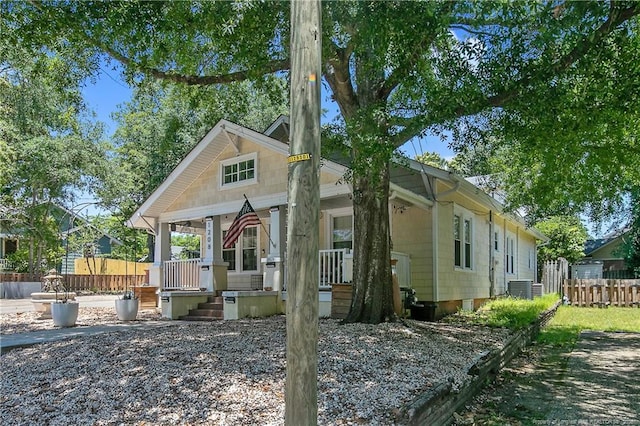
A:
[454,244]
[603,258]
[69,224]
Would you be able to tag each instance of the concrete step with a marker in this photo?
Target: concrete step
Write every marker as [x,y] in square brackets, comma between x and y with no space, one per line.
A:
[216,299]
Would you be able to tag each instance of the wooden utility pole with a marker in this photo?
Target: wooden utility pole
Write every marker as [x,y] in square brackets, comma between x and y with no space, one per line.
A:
[301,392]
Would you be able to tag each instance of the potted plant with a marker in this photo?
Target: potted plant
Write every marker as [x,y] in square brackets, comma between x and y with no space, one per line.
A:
[64,311]
[127,306]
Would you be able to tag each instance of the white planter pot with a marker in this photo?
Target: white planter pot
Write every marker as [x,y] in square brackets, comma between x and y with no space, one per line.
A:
[64,314]
[127,309]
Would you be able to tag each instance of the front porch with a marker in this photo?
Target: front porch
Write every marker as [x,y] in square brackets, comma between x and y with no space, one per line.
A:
[184,286]
[334,267]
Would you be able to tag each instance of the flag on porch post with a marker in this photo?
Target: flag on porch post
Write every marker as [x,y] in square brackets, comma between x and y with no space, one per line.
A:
[246,217]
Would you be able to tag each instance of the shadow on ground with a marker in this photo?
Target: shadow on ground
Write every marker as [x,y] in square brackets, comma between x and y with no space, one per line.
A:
[595,383]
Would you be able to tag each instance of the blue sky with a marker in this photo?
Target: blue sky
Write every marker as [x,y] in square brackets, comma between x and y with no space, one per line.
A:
[110,90]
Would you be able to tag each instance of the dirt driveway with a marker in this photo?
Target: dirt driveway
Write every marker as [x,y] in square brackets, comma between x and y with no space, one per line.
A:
[597,383]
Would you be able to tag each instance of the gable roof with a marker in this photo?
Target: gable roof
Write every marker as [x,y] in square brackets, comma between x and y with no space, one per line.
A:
[410,179]
[66,214]
[592,245]
[84,223]
[223,134]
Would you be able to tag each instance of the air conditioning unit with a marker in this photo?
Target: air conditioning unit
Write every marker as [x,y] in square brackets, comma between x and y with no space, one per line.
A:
[521,289]
[536,290]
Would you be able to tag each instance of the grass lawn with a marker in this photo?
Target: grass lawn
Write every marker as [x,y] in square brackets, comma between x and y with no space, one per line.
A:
[569,321]
[507,312]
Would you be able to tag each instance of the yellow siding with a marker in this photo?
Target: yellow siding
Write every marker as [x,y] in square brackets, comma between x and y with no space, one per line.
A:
[272,176]
[460,283]
[411,234]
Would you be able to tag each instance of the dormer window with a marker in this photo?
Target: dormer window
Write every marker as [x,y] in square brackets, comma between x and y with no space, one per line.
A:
[239,171]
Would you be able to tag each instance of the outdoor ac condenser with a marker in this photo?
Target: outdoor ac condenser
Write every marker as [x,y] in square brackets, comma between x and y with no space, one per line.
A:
[521,289]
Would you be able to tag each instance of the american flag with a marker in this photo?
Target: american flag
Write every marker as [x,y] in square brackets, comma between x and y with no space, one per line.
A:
[246,217]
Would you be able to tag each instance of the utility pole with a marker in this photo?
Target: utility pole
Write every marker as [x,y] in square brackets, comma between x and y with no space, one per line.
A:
[301,391]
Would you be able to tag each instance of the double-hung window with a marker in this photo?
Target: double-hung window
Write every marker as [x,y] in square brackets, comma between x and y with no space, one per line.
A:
[457,241]
[463,241]
[243,256]
[239,171]
[467,243]
[510,255]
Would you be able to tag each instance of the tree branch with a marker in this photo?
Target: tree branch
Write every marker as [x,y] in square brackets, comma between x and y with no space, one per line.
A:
[616,17]
[196,80]
[413,126]
[401,72]
[338,77]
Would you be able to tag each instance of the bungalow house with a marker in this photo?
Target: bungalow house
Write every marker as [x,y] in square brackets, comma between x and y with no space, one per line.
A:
[454,244]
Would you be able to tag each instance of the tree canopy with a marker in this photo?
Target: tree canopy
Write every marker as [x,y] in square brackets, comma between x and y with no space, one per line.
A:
[49,146]
[567,236]
[530,74]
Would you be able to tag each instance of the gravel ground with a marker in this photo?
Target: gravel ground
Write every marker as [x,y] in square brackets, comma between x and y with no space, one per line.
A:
[227,372]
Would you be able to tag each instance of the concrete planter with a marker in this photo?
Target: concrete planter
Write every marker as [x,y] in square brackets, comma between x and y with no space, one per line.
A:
[64,314]
[127,309]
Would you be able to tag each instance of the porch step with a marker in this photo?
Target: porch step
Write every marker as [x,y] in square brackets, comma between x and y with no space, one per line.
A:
[214,313]
[210,310]
[196,318]
[210,305]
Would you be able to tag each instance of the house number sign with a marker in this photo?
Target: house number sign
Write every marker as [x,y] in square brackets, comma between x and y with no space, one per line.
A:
[299,157]
[209,234]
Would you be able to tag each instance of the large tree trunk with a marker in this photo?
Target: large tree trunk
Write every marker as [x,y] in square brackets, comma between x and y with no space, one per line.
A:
[372,300]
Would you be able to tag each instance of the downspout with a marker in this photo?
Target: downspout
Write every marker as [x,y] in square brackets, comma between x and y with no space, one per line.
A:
[505,254]
[434,241]
[492,274]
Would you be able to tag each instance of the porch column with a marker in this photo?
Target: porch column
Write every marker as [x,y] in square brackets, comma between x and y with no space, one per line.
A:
[273,273]
[213,270]
[162,252]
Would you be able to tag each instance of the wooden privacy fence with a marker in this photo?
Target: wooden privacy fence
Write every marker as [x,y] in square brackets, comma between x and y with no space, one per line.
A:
[602,292]
[99,283]
[554,272]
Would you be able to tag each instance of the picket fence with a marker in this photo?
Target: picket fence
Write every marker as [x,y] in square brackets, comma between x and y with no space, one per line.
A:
[72,282]
[602,292]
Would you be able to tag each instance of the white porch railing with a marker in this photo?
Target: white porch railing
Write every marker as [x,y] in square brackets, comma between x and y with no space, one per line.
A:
[335,266]
[4,265]
[181,274]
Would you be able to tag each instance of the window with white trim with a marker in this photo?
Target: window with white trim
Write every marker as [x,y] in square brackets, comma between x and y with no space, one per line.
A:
[510,255]
[243,256]
[239,171]
[457,241]
[342,232]
[496,240]
[531,258]
[467,243]
[463,241]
